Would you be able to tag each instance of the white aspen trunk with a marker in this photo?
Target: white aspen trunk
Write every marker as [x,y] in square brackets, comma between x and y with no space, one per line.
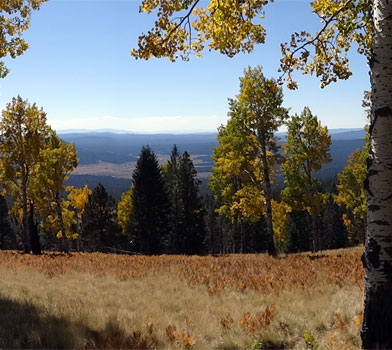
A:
[25,226]
[376,329]
[313,218]
[268,203]
[64,239]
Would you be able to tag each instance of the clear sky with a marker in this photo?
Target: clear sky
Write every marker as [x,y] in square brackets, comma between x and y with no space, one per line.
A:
[79,69]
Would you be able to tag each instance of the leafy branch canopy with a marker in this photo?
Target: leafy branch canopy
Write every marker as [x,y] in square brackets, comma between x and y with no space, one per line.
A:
[186,27]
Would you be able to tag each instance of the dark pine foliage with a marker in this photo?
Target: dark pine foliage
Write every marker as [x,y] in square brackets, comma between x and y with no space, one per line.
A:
[223,236]
[7,237]
[34,234]
[299,232]
[191,226]
[333,231]
[149,225]
[99,228]
[172,183]
[186,214]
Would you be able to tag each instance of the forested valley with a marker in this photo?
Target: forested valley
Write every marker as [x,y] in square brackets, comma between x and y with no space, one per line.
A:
[244,208]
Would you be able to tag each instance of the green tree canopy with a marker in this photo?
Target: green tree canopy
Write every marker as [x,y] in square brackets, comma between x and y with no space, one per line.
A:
[306,150]
[351,194]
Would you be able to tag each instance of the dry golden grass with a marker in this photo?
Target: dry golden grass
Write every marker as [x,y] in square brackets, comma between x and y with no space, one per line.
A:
[98,300]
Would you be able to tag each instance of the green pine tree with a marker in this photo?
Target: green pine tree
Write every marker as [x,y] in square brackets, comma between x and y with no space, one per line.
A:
[192,226]
[7,236]
[99,227]
[172,185]
[186,214]
[149,222]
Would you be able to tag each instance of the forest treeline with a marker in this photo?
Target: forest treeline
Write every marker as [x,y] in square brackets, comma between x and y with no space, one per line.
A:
[164,211]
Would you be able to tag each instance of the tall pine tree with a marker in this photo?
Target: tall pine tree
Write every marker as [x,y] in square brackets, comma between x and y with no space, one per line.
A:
[172,185]
[193,231]
[149,222]
[99,226]
[186,217]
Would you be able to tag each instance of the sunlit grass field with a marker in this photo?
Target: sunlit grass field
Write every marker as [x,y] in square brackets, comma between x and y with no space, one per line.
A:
[94,300]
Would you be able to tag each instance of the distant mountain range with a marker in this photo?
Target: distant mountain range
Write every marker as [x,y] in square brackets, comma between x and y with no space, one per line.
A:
[110,157]
[119,131]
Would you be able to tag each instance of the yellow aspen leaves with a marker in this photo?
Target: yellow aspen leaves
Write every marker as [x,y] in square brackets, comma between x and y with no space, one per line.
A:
[189,27]
[281,219]
[351,194]
[14,20]
[124,210]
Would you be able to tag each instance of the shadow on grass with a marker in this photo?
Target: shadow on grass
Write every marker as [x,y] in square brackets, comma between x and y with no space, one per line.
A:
[24,326]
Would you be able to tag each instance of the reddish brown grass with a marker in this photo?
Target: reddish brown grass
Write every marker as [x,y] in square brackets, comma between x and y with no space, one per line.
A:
[254,272]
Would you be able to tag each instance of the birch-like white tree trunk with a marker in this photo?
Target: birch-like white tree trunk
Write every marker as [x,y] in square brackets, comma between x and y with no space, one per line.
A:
[377,326]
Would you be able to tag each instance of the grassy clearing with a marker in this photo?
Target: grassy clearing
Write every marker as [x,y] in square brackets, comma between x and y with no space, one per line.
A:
[175,302]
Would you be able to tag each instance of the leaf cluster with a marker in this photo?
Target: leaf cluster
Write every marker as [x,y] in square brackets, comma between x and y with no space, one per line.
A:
[14,20]
[351,193]
[344,23]
[232,26]
[227,26]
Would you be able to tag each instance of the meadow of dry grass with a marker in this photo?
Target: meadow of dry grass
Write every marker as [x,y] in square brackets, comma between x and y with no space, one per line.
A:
[95,300]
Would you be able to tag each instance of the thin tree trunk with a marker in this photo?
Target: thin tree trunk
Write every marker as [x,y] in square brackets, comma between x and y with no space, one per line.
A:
[212,225]
[221,236]
[25,220]
[64,240]
[313,219]
[237,236]
[376,329]
[268,204]
[35,244]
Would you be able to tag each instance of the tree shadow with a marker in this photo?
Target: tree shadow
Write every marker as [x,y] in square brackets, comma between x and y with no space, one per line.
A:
[318,256]
[24,326]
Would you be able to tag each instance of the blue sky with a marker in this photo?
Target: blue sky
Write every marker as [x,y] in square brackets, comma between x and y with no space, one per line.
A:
[79,69]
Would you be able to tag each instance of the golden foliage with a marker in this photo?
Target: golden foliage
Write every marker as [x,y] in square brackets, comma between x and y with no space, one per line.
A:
[280,222]
[183,337]
[14,20]
[351,194]
[259,321]
[340,322]
[226,322]
[149,324]
[125,209]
